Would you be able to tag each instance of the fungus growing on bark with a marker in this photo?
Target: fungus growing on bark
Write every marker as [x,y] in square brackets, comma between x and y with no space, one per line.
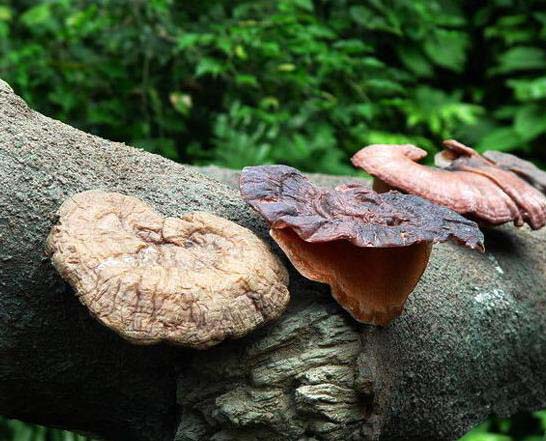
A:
[469,184]
[531,203]
[370,248]
[193,281]
[525,169]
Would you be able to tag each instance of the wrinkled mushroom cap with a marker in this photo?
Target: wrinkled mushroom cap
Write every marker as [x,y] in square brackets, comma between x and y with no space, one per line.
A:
[352,212]
[370,248]
[194,280]
[491,198]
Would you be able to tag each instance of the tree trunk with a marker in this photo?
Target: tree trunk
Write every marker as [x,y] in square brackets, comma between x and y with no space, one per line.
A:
[470,343]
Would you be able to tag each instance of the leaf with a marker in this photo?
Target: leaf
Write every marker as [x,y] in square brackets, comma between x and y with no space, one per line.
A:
[513,29]
[372,62]
[541,416]
[505,112]
[380,137]
[352,46]
[306,5]
[286,67]
[246,80]
[360,14]
[36,15]
[5,13]
[530,121]
[528,90]
[501,139]
[188,40]
[320,31]
[384,87]
[240,52]
[365,110]
[447,49]
[373,21]
[486,437]
[208,66]
[269,103]
[521,58]
[414,60]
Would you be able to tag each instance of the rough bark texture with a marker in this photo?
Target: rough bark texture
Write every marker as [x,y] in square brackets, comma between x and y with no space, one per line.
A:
[470,343]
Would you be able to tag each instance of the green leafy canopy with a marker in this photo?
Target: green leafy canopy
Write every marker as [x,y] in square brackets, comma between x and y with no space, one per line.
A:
[303,82]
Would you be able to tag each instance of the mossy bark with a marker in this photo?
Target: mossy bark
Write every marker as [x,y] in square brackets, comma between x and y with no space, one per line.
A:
[470,343]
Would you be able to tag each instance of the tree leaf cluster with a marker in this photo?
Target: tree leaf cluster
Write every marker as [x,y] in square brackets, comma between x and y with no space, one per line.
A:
[301,82]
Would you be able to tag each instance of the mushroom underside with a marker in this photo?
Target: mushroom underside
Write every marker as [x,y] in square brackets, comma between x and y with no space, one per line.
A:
[372,284]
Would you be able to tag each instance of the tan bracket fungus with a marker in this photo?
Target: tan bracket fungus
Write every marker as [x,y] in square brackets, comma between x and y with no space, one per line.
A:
[193,281]
[370,248]
[467,183]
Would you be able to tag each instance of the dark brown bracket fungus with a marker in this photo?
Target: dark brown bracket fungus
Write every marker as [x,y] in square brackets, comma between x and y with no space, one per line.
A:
[193,281]
[370,248]
[467,183]
[525,169]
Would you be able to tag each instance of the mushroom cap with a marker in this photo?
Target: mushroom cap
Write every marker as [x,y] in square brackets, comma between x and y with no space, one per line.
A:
[531,203]
[286,198]
[467,190]
[525,169]
[370,248]
[193,281]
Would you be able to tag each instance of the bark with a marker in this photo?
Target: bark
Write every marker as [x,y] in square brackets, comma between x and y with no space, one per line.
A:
[470,343]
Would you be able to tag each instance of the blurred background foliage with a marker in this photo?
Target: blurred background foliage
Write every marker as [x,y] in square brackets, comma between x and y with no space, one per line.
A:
[523,427]
[13,430]
[301,82]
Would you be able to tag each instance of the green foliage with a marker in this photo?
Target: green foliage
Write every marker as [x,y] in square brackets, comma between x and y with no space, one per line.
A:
[304,82]
[519,64]
[521,427]
[13,430]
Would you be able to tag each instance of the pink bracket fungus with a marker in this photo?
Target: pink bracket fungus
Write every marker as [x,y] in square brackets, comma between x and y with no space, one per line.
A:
[524,169]
[467,183]
[370,248]
[193,281]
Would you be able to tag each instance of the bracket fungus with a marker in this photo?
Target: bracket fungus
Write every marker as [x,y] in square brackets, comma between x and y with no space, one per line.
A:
[370,248]
[467,182]
[193,281]
[525,169]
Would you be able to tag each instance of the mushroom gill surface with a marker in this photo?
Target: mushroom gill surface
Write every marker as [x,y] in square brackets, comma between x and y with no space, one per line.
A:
[370,248]
[193,281]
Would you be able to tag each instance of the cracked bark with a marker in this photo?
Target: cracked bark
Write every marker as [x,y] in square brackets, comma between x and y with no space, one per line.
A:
[470,343]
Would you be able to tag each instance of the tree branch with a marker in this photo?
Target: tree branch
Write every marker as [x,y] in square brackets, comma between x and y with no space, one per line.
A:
[471,342]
